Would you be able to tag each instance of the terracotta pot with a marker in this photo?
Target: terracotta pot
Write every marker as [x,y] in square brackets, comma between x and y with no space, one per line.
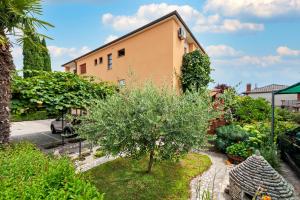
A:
[235,159]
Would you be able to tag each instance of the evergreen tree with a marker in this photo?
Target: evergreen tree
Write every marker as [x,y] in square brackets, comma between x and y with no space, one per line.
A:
[32,55]
[46,57]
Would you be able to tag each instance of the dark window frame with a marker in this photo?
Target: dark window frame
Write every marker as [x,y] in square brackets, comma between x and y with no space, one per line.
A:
[121,53]
[95,61]
[82,68]
[100,60]
[109,61]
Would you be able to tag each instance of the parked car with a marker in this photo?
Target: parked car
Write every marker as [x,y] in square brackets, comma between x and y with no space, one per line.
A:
[62,125]
[289,145]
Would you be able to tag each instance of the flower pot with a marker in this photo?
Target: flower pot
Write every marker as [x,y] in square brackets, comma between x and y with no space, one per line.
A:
[235,159]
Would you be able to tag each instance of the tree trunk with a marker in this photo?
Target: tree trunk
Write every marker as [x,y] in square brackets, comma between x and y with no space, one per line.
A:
[6,66]
[151,160]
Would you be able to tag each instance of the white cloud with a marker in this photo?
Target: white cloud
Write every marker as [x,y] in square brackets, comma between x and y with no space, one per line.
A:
[226,26]
[110,38]
[222,51]
[198,21]
[257,8]
[285,51]
[56,51]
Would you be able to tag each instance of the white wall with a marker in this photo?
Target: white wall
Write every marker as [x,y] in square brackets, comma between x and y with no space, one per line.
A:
[278,98]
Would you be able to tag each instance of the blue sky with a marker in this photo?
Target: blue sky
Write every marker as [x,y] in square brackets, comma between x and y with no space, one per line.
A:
[248,40]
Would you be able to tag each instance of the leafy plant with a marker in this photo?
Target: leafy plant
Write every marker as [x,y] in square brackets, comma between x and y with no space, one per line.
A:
[148,121]
[195,71]
[230,134]
[240,149]
[56,91]
[230,102]
[16,16]
[27,173]
[256,137]
[251,110]
[270,152]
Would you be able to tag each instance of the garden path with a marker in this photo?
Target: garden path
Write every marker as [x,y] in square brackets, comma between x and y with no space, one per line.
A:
[217,177]
[291,177]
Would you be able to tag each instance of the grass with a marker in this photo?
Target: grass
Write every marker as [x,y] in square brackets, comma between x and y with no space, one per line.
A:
[127,179]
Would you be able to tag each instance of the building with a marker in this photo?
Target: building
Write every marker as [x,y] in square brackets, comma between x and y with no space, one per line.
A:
[290,101]
[153,52]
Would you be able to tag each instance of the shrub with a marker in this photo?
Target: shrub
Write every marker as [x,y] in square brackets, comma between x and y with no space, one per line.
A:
[296,117]
[270,152]
[26,173]
[240,149]
[38,115]
[251,110]
[150,121]
[257,134]
[55,91]
[195,71]
[228,135]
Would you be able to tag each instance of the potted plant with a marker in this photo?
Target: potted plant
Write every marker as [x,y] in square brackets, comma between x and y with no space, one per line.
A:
[238,152]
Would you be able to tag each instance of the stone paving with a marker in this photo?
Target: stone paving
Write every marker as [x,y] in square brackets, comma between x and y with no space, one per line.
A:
[216,178]
[291,177]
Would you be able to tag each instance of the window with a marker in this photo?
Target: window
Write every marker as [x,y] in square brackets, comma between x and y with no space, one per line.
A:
[122,82]
[109,61]
[83,68]
[95,61]
[100,60]
[121,52]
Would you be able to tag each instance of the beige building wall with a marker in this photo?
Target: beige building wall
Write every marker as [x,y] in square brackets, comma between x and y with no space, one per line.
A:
[147,57]
[152,54]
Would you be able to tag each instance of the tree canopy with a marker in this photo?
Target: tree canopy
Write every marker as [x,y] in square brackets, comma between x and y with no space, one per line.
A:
[56,91]
[195,71]
[35,55]
[148,121]
[16,16]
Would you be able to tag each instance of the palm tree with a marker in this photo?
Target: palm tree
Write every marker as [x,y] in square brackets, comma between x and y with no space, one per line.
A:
[15,16]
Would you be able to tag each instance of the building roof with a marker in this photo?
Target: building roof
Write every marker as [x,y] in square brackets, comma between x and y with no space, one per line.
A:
[174,13]
[266,89]
[256,172]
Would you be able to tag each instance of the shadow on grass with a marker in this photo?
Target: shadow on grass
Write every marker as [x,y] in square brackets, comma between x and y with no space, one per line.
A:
[127,179]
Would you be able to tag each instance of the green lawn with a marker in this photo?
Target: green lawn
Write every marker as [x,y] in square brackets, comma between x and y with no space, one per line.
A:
[126,179]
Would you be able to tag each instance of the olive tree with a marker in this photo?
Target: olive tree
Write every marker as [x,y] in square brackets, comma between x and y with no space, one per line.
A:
[148,121]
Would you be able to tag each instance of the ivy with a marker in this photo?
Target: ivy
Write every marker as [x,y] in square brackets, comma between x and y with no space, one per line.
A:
[195,71]
[56,91]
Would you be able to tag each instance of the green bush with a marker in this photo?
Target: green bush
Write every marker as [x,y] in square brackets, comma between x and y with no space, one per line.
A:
[296,117]
[240,149]
[228,135]
[149,121]
[38,115]
[56,91]
[251,110]
[26,173]
[270,152]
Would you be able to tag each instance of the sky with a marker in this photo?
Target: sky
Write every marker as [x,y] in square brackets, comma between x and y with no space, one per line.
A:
[248,41]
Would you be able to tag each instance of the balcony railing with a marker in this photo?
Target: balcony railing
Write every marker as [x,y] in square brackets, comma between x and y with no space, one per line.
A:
[290,103]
